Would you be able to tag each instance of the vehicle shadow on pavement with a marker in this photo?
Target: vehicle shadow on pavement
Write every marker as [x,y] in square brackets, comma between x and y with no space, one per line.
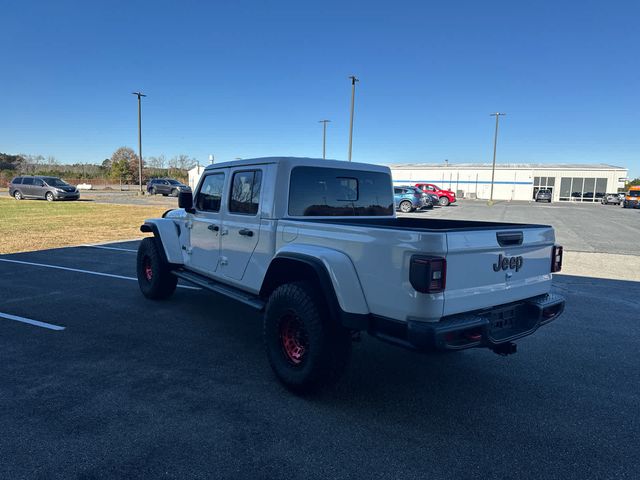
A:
[600,317]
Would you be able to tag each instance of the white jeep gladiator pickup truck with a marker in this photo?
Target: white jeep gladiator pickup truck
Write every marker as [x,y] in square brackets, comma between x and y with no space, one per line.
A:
[316,246]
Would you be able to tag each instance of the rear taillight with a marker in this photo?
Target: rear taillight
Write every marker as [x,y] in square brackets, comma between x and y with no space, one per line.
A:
[428,274]
[556,259]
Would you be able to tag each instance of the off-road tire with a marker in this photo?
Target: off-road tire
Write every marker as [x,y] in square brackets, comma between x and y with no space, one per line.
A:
[444,201]
[405,206]
[154,274]
[327,345]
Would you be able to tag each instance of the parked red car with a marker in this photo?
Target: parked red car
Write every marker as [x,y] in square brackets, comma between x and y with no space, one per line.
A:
[446,196]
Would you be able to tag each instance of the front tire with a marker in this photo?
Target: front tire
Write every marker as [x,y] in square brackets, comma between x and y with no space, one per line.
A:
[306,348]
[444,201]
[405,206]
[154,274]
[174,192]
[49,196]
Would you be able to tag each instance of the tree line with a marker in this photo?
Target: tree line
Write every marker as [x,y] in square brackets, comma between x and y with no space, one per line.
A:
[121,167]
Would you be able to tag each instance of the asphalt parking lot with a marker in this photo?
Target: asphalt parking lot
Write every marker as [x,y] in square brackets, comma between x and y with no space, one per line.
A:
[579,227]
[126,387]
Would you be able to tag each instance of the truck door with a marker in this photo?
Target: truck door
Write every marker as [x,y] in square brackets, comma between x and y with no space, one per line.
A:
[241,226]
[206,224]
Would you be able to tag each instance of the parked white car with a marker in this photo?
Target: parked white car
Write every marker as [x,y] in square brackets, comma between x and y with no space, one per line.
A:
[316,246]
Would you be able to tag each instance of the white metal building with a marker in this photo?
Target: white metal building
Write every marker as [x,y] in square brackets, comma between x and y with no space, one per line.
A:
[568,182]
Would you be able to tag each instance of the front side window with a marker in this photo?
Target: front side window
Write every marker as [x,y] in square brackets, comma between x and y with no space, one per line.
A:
[245,192]
[38,182]
[319,191]
[210,194]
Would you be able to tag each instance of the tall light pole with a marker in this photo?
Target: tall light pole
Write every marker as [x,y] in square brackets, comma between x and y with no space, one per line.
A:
[495,146]
[139,94]
[324,136]
[353,97]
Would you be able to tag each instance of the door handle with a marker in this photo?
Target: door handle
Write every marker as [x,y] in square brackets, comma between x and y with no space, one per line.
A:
[246,232]
[213,228]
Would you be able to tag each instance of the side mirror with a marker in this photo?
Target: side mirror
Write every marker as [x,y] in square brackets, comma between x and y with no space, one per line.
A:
[185,200]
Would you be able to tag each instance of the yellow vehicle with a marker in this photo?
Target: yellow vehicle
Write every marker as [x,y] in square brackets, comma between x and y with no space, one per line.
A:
[632,198]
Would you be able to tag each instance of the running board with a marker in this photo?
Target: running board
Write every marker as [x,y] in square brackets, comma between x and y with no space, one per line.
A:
[218,287]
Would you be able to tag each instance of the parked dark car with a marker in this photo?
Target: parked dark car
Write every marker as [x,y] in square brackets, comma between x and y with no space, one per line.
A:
[166,186]
[408,199]
[49,188]
[612,199]
[543,195]
[435,200]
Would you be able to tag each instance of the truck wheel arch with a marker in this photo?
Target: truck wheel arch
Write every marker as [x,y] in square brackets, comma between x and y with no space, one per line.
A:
[167,234]
[291,267]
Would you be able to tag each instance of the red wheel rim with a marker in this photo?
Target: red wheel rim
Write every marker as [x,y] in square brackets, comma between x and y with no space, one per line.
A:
[294,339]
[148,271]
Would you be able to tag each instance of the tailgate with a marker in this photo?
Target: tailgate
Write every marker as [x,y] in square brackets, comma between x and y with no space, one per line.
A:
[486,268]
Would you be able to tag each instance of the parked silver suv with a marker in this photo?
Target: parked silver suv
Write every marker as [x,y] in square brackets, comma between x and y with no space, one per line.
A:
[49,188]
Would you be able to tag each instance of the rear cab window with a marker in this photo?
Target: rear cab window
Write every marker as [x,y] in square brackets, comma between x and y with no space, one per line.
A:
[318,191]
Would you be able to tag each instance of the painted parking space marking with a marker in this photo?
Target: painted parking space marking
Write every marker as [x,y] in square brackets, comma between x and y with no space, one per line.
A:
[16,318]
[89,272]
[110,248]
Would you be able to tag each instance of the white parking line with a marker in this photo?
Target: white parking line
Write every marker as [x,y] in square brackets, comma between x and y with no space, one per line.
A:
[110,248]
[90,272]
[16,318]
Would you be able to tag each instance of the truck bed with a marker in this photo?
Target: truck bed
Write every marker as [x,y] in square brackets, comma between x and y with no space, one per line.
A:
[422,224]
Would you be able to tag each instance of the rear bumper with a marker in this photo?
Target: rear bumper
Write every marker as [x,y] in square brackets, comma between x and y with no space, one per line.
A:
[488,328]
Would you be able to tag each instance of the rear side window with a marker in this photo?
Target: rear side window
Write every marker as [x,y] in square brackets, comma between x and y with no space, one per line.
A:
[245,192]
[17,180]
[27,181]
[210,194]
[317,191]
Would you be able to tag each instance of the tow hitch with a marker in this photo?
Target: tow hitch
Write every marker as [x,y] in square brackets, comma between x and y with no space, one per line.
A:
[505,349]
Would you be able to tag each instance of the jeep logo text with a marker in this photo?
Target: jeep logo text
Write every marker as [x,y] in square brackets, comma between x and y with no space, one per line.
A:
[505,263]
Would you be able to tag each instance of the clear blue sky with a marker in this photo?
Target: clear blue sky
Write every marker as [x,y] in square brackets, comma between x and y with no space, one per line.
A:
[249,78]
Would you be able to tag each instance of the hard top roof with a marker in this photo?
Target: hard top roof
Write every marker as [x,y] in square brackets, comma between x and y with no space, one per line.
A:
[291,162]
